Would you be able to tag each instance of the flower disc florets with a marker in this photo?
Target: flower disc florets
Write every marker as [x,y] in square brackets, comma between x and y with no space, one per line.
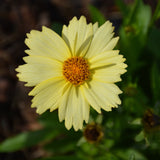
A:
[76,70]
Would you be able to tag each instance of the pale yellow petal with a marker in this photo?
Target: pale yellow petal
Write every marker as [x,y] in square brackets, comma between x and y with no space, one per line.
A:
[111,44]
[38,69]
[63,103]
[91,97]
[47,94]
[85,105]
[73,108]
[106,59]
[107,94]
[47,43]
[78,36]
[106,75]
[100,40]
[109,73]
[69,110]
[81,109]
[77,109]
[95,27]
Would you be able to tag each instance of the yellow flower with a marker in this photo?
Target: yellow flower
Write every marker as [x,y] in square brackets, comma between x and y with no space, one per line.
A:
[74,72]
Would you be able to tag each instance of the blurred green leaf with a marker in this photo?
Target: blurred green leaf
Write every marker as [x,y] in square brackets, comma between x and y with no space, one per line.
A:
[156,14]
[140,137]
[27,139]
[132,157]
[155,82]
[139,16]
[126,154]
[89,149]
[107,156]
[61,158]
[123,7]
[136,121]
[57,27]
[96,15]
[50,119]
[109,143]
[153,43]
[66,142]
[134,33]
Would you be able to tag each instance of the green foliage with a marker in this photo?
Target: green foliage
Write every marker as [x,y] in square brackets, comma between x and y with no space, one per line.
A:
[130,154]
[57,27]
[155,82]
[134,33]
[27,139]
[61,158]
[125,136]
[96,15]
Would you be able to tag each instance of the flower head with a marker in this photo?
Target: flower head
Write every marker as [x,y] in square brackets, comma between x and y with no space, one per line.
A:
[151,121]
[93,133]
[73,72]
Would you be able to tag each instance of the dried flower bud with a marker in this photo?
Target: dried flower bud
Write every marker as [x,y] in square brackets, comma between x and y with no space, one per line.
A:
[93,133]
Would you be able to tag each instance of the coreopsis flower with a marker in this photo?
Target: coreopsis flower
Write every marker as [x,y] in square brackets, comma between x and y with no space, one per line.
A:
[73,72]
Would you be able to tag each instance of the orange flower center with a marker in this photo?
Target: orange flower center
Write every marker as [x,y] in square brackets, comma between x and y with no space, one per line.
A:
[76,70]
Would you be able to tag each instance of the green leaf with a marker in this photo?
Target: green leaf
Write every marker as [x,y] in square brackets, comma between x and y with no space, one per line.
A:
[156,14]
[153,42]
[96,15]
[136,121]
[155,82]
[107,156]
[27,139]
[126,154]
[132,157]
[140,137]
[89,149]
[134,34]
[57,27]
[123,7]
[50,119]
[65,143]
[61,158]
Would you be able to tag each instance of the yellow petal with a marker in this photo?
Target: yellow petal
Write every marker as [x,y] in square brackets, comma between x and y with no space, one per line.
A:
[84,104]
[63,104]
[47,43]
[78,36]
[106,59]
[77,114]
[111,44]
[38,69]
[100,40]
[95,27]
[81,109]
[91,98]
[73,108]
[107,94]
[47,94]
[110,73]
[106,75]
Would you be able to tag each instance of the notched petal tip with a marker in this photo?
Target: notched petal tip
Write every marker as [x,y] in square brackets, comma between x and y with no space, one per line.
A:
[17,69]
[73,20]
[99,110]
[67,125]
[83,18]
[46,29]
[31,93]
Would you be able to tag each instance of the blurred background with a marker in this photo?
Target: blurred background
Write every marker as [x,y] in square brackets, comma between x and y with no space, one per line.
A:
[131,132]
